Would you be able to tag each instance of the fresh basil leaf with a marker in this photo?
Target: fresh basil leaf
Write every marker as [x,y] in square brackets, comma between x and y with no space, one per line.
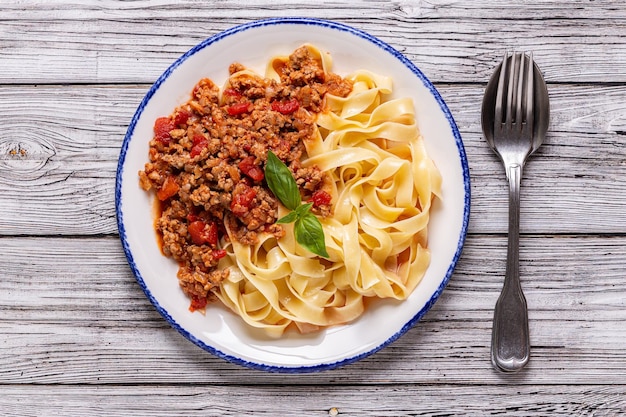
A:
[307,228]
[310,234]
[289,218]
[280,180]
[303,209]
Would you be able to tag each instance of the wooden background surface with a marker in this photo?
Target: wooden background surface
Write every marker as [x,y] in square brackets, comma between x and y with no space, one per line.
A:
[79,338]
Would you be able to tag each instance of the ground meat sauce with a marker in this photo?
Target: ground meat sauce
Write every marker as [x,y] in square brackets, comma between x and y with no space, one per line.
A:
[207,164]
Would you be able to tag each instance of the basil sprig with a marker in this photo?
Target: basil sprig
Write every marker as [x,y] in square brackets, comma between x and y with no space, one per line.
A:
[307,228]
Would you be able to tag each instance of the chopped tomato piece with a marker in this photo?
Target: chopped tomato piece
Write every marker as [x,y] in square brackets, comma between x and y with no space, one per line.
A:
[242,200]
[196,231]
[202,232]
[181,117]
[162,128]
[168,189]
[238,108]
[252,170]
[321,198]
[199,143]
[219,253]
[231,92]
[197,304]
[211,234]
[286,107]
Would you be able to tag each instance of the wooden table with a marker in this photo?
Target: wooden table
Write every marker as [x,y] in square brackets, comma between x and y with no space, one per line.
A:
[79,338]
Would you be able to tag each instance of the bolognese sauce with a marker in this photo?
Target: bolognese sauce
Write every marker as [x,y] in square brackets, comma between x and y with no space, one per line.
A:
[207,158]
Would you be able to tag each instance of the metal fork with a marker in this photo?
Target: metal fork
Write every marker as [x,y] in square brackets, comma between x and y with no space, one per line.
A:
[512,132]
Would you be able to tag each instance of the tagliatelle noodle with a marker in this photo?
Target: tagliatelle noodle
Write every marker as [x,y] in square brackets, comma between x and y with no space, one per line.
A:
[383,185]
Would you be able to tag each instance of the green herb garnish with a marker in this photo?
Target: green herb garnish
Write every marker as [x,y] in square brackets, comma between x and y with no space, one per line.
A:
[307,228]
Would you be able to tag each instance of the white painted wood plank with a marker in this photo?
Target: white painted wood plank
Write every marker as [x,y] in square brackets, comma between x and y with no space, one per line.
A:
[289,400]
[77,335]
[398,9]
[58,160]
[71,313]
[109,42]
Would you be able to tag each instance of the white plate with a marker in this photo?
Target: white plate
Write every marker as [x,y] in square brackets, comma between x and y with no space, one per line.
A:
[220,331]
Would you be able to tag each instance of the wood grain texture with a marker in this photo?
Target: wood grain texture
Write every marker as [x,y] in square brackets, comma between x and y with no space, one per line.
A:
[58,160]
[296,401]
[113,42]
[79,337]
[74,312]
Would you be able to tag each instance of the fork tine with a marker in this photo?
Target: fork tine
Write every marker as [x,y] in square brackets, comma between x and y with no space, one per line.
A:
[520,93]
[500,99]
[512,94]
[529,93]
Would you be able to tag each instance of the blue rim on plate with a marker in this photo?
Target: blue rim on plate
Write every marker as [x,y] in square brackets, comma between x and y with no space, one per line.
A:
[293,21]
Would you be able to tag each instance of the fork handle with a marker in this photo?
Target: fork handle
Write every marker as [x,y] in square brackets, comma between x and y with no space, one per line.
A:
[510,345]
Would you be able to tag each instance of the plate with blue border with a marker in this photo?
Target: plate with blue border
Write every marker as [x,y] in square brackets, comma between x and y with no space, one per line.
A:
[220,331]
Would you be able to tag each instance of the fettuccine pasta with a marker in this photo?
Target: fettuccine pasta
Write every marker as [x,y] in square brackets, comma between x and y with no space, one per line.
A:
[373,164]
